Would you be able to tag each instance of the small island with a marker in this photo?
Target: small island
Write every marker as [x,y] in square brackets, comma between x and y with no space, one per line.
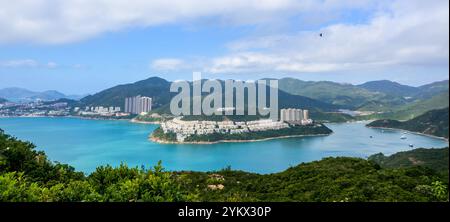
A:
[208,132]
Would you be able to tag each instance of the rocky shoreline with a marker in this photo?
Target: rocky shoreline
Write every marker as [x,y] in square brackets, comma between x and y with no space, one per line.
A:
[144,122]
[157,140]
[418,133]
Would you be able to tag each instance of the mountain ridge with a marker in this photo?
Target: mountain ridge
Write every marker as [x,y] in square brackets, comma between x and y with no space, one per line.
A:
[434,122]
[20,94]
[159,90]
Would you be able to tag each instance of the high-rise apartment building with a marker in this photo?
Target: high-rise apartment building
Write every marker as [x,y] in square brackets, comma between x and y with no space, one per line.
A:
[305,114]
[138,104]
[294,115]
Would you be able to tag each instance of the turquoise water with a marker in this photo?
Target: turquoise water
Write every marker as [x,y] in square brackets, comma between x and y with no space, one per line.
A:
[86,144]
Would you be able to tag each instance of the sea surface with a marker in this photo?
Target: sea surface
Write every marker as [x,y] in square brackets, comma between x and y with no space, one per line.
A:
[86,144]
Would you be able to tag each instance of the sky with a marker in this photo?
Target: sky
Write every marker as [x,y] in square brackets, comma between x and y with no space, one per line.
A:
[84,46]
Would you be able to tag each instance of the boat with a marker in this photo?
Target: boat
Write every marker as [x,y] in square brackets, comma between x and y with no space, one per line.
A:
[403,137]
[410,145]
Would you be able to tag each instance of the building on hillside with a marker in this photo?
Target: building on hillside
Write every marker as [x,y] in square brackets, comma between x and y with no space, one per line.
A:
[305,114]
[296,116]
[138,104]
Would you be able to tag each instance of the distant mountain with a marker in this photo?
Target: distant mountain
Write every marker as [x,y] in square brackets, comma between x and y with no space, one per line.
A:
[429,90]
[389,99]
[346,95]
[3,100]
[76,97]
[159,90]
[322,96]
[414,108]
[413,93]
[14,93]
[19,94]
[156,88]
[390,88]
[48,95]
[70,102]
[434,122]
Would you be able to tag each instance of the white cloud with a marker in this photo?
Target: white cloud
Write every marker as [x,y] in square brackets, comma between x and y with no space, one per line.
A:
[52,65]
[398,33]
[62,21]
[78,66]
[168,64]
[402,33]
[19,63]
[26,63]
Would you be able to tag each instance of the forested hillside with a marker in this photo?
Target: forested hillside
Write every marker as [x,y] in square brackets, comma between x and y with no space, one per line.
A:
[434,122]
[27,175]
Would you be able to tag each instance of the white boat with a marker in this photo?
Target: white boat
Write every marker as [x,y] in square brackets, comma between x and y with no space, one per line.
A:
[403,137]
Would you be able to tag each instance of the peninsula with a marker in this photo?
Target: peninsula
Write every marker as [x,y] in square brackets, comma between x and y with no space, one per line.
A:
[207,132]
[432,123]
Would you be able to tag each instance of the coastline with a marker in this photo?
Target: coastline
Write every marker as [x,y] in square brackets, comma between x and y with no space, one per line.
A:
[68,116]
[156,140]
[222,141]
[418,133]
[144,122]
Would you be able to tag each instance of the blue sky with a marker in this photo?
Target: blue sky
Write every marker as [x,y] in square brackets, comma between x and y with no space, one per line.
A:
[79,47]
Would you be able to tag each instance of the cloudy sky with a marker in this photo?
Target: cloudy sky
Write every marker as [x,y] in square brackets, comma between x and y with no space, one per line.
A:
[83,46]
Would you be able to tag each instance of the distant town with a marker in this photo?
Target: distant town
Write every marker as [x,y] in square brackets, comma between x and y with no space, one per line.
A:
[138,105]
[141,105]
[184,129]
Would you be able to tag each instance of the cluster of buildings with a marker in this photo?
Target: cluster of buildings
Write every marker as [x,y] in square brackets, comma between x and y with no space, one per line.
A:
[99,111]
[295,116]
[133,105]
[184,129]
[35,108]
[138,104]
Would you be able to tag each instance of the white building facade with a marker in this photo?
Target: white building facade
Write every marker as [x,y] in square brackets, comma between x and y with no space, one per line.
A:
[297,116]
[138,104]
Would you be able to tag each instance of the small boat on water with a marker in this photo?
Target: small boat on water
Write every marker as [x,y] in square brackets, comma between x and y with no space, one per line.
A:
[403,137]
[410,145]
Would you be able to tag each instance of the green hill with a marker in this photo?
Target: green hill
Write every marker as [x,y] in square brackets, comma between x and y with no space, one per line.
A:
[338,179]
[414,108]
[27,175]
[20,94]
[391,99]
[389,88]
[429,90]
[321,97]
[436,159]
[434,122]
[156,88]
[346,95]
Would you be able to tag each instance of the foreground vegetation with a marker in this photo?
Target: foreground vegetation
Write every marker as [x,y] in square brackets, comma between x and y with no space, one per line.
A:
[27,175]
[435,159]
